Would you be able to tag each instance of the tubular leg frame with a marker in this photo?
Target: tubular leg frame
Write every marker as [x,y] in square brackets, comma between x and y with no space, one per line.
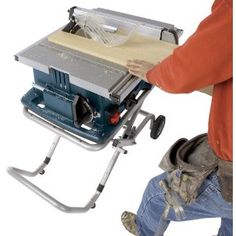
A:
[18,175]
[40,169]
[127,139]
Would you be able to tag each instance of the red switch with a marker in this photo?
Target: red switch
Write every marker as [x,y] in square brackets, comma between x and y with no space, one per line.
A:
[115,118]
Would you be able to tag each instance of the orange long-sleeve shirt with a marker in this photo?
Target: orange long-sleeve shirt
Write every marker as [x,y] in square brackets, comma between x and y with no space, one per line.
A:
[205,59]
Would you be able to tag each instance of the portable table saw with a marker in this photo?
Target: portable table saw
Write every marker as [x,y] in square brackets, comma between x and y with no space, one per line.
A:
[83,92]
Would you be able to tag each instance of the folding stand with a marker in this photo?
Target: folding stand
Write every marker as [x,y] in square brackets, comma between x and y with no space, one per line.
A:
[127,139]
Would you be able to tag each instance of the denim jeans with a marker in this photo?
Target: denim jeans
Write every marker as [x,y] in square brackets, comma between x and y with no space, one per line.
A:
[208,204]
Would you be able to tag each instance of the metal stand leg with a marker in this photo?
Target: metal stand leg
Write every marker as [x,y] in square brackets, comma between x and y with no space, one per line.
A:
[127,139]
[18,175]
[40,169]
[91,203]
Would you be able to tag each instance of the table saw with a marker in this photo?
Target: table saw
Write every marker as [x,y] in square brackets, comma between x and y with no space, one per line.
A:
[83,92]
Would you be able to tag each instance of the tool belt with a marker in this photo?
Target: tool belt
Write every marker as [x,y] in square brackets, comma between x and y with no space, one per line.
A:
[188,163]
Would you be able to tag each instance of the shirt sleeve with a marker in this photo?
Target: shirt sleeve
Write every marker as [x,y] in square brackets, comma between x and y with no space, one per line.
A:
[204,59]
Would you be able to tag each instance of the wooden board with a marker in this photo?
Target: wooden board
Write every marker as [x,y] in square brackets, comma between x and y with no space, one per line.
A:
[137,47]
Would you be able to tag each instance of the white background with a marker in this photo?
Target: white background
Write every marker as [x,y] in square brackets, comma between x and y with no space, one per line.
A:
[74,173]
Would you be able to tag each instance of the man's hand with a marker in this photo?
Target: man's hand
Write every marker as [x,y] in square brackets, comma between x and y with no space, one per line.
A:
[139,68]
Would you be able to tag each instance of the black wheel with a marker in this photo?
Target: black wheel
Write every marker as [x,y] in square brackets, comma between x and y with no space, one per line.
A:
[157,127]
[93,206]
[42,172]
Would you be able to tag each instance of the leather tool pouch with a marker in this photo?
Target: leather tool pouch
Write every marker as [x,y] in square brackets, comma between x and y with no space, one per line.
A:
[188,163]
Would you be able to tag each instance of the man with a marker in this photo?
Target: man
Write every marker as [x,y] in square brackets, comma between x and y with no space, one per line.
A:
[204,59]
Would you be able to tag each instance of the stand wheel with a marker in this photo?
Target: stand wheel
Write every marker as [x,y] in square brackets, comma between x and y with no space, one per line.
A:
[93,206]
[42,172]
[157,127]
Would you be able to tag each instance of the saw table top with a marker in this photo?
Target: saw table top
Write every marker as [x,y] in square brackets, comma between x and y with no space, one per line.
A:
[137,47]
[87,61]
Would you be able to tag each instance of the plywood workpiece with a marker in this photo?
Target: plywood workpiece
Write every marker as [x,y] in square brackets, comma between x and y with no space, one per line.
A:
[137,47]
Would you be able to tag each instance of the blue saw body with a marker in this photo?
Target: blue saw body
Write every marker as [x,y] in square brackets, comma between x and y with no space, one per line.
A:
[55,102]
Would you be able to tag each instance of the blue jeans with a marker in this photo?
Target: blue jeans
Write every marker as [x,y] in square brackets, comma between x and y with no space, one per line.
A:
[208,204]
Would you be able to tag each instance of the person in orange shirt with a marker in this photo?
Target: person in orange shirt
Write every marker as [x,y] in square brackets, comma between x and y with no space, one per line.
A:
[204,59]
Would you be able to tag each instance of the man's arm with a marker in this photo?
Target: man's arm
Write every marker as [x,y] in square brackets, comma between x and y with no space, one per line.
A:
[204,59]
